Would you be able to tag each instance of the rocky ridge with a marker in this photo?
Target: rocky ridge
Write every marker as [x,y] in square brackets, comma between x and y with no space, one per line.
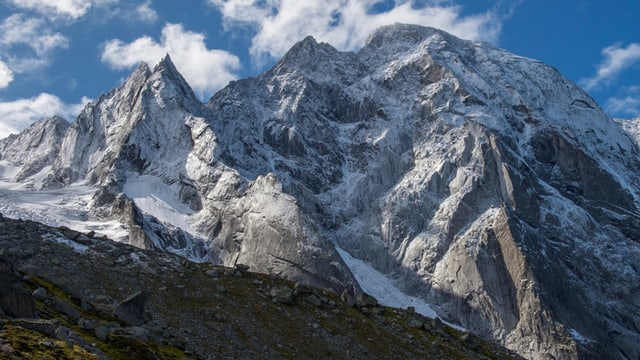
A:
[66,295]
[480,180]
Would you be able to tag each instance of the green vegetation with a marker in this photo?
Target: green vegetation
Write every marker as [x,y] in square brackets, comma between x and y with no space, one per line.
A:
[16,342]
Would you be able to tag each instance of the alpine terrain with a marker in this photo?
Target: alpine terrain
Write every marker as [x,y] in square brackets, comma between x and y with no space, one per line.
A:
[421,168]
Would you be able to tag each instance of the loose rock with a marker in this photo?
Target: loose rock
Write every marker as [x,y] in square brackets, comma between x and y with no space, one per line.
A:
[282,294]
[132,310]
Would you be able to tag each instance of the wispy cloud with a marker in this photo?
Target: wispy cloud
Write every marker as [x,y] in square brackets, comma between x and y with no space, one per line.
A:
[616,60]
[27,43]
[68,8]
[6,75]
[205,69]
[19,114]
[626,103]
[57,9]
[345,24]
[145,13]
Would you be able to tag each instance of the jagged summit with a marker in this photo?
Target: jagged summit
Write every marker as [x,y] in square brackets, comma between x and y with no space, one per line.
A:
[405,35]
[179,89]
[479,181]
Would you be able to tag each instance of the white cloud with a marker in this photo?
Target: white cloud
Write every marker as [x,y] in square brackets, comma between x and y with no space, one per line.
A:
[6,75]
[19,33]
[61,9]
[73,9]
[31,32]
[346,24]
[627,103]
[206,70]
[616,60]
[17,115]
[145,13]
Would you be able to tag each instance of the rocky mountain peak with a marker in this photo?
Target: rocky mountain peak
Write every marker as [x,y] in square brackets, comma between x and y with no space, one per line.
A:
[35,148]
[167,64]
[169,84]
[404,35]
[318,61]
[57,122]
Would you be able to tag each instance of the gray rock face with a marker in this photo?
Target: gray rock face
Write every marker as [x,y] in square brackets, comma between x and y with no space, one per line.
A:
[14,301]
[35,148]
[480,180]
[132,310]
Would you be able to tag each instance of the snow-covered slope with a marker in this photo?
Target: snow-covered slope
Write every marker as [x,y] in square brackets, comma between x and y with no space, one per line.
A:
[480,181]
[632,127]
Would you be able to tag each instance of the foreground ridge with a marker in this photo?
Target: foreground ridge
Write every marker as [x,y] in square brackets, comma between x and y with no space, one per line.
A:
[71,295]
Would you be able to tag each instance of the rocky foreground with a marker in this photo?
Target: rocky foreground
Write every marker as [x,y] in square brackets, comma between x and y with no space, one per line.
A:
[68,295]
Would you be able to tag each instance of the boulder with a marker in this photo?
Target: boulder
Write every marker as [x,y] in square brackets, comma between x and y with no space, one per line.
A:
[132,310]
[314,300]
[242,268]
[415,323]
[14,301]
[213,273]
[348,297]
[102,332]
[18,303]
[302,289]
[63,333]
[364,299]
[66,308]
[133,332]
[70,234]
[40,294]
[282,294]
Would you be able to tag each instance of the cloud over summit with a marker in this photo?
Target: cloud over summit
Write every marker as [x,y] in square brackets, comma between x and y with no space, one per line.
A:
[345,24]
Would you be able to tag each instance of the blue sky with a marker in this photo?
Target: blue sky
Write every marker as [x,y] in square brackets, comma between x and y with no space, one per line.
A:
[56,55]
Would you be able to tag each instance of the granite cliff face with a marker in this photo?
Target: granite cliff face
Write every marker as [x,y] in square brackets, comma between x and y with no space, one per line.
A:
[34,149]
[479,180]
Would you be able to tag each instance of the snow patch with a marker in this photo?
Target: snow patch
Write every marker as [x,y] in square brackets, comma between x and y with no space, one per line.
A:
[578,337]
[381,287]
[158,199]
[7,171]
[63,240]
[66,206]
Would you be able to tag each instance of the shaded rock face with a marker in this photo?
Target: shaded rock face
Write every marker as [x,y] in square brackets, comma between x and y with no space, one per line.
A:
[132,310]
[480,180]
[14,301]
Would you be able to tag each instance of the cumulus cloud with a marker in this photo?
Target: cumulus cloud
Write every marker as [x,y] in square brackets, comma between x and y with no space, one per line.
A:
[6,75]
[205,69]
[146,13]
[345,24]
[32,32]
[17,115]
[28,42]
[616,60]
[626,103]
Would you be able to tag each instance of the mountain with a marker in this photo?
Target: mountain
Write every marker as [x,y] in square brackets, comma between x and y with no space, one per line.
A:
[35,148]
[632,127]
[480,181]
